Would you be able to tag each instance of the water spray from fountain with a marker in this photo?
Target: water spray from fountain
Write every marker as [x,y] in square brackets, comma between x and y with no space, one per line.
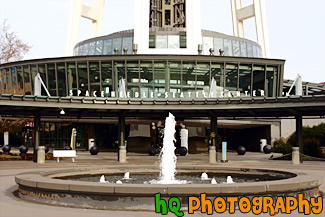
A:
[102,179]
[204,176]
[127,175]
[229,180]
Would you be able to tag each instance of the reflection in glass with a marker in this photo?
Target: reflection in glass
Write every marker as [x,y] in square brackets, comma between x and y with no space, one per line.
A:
[271,81]
[203,79]
[161,41]
[119,72]
[245,73]
[42,72]
[83,78]
[254,51]
[28,87]
[91,50]
[207,44]
[117,43]
[258,79]
[227,47]
[99,47]
[188,83]
[127,43]
[174,79]
[107,47]
[231,77]
[173,41]
[250,50]
[160,79]
[72,79]
[61,79]
[20,80]
[107,81]
[146,78]
[94,79]
[218,44]
[235,45]
[80,51]
[132,78]
[85,49]
[243,49]
[51,79]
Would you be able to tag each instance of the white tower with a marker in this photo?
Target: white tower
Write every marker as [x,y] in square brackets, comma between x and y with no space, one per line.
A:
[257,10]
[78,10]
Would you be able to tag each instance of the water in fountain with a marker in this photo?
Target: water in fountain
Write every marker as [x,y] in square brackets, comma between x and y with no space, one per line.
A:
[119,182]
[229,180]
[102,179]
[204,176]
[213,181]
[127,175]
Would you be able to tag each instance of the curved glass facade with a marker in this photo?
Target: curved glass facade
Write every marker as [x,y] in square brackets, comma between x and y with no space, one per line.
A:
[146,76]
[117,42]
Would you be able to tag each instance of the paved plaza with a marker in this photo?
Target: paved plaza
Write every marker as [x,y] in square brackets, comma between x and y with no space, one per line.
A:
[10,206]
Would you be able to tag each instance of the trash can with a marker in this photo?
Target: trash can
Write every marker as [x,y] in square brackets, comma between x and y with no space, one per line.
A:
[41,155]
[263,143]
[91,143]
[212,154]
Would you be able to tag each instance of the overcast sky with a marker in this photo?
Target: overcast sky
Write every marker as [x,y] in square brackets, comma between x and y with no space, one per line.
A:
[296,28]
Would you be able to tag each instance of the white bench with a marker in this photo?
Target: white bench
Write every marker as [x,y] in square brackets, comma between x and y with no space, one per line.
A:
[64,153]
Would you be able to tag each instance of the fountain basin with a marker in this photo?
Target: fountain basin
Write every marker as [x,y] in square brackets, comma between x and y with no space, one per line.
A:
[50,188]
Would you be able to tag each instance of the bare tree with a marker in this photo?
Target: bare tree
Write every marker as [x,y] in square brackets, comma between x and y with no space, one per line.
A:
[11,47]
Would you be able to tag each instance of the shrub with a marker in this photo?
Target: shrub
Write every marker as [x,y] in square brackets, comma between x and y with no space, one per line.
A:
[281,146]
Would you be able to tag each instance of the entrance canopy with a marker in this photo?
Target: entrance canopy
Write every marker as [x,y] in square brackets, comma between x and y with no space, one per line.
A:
[88,107]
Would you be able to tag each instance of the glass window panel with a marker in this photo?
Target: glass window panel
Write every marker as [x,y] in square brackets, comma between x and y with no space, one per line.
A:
[61,79]
[188,82]
[82,77]
[117,43]
[14,80]
[173,41]
[94,79]
[133,78]
[182,39]
[249,50]
[258,79]
[28,86]
[72,79]
[231,77]
[3,80]
[160,79]
[119,70]
[235,45]
[152,41]
[85,49]
[245,73]
[218,75]
[9,81]
[76,51]
[107,46]
[175,79]
[42,72]
[227,47]
[218,44]
[243,49]
[146,78]
[107,81]
[80,51]
[259,52]
[20,80]
[127,43]
[254,51]
[203,79]
[207,44]
[51,79]
[161,41]
[91,50]
[34,72]
[99,47]
[271,81]
[1,83]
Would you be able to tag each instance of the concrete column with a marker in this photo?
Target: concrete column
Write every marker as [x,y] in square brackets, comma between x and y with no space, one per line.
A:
[299,134]
[37,121]
[121,133]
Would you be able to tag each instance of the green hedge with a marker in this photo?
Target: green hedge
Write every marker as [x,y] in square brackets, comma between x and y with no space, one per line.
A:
[313,139]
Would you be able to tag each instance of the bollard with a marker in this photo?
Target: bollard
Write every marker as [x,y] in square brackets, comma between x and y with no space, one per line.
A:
[41,155]
[295,155]
[224,152]
[122,154]
[212,154]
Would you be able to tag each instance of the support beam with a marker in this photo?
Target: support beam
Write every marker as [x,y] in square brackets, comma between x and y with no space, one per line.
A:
[299,135]
[214,127]
[37,121]
[257,10]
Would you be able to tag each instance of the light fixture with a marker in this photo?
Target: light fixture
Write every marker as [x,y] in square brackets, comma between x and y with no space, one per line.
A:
[62,112]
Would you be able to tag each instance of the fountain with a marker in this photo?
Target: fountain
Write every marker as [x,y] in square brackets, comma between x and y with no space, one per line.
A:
[79,187]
